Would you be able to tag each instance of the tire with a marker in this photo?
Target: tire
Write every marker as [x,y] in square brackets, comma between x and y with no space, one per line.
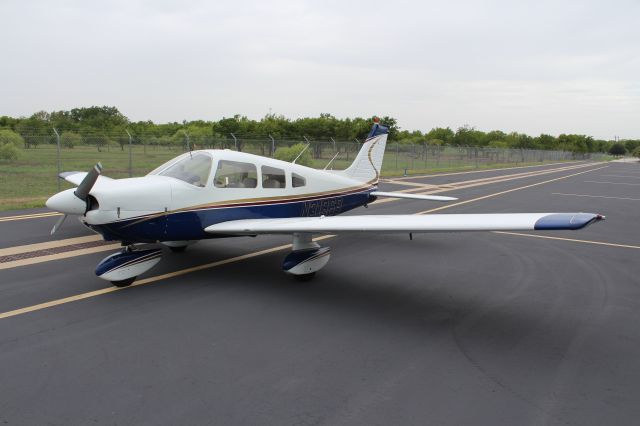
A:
[124,283]
[178,249]
[305,277]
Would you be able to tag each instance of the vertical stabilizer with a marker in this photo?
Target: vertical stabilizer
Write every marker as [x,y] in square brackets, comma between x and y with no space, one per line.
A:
[368,163]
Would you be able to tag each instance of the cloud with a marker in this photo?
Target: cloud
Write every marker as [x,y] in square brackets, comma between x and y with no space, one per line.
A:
[534,66]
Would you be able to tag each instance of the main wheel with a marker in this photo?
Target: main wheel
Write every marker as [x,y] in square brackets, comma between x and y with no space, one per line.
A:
[177,249]
[124,283]
[305,277]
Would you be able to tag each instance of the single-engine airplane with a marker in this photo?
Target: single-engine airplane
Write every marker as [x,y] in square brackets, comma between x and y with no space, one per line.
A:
[222,193]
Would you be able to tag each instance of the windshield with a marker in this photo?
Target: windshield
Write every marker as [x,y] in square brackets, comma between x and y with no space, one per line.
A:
[192,168]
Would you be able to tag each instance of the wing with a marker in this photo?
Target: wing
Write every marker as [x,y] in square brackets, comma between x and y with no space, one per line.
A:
[407,223]
[76,177]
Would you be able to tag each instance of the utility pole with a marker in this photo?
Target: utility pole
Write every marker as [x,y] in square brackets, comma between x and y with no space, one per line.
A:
[58,155]
[130,158]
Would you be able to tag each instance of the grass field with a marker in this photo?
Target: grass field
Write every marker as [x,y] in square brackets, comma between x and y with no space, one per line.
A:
[30,180]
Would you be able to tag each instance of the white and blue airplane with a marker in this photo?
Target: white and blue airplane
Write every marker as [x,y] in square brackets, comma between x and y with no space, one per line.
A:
[222,193]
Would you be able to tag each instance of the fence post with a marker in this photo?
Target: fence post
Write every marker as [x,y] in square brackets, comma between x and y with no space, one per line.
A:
[397,154]
[130,157]
[186,136]
[235,140]
[273,146]
[58,156]
[424,144]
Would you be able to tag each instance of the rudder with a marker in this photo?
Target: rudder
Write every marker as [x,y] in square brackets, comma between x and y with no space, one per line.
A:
[368,163]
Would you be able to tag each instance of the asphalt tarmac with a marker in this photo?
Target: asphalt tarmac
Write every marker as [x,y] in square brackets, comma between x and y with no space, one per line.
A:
[447,329]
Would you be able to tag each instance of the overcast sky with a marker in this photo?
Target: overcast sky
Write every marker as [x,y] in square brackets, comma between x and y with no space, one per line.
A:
[529,66]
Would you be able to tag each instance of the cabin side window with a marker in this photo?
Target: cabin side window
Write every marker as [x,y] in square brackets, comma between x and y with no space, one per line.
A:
[297,180]
[234,174]
[273,177]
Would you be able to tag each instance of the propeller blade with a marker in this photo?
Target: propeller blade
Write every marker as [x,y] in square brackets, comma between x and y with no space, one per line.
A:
[82,191]
[58,224]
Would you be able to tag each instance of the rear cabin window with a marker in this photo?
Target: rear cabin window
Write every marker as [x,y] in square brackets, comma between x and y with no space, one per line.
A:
[297,180]
[273,177]
[234,174]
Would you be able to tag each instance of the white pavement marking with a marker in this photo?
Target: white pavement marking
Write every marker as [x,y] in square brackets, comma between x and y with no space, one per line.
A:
[573,240]
[627,176]
[612,183]
[596,196]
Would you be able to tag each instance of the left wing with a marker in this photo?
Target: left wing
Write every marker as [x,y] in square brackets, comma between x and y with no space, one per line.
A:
[407,223]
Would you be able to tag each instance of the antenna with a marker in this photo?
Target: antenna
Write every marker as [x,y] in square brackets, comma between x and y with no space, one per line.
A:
[301,152]
[329,163]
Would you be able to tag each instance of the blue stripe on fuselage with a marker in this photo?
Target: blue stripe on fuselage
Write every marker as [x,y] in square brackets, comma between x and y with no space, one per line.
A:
[190,225]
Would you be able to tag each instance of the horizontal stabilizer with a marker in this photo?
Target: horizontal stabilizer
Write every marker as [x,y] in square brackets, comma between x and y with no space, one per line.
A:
[412,196]
[77,177]
[408,223]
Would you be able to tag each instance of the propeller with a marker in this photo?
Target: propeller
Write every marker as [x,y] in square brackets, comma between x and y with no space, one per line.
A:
[68,204]
[58,223]
[82,191]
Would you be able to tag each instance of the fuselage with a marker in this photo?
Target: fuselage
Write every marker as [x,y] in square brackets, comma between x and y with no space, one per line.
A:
[179,199]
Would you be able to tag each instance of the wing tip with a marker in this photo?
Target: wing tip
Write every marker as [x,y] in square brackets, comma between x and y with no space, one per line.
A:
[568,221]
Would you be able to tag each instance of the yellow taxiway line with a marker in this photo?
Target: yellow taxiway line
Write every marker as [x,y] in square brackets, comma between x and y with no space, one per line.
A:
[48,245]
[29,216]
[484,197]
[144,281]
[480,182]
[57,256]
[485,170]
[205,266]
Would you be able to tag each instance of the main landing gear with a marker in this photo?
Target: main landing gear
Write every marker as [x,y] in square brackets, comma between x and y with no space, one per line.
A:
[178,246]
[122,268]
[306,257]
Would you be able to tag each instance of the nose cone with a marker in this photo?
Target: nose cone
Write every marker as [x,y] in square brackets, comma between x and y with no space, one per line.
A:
[66,202]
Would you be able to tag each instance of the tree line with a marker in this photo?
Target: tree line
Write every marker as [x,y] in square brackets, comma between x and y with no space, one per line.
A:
[96,124]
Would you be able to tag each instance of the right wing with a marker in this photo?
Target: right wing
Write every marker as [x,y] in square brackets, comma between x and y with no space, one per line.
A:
[407,223]
[76,177]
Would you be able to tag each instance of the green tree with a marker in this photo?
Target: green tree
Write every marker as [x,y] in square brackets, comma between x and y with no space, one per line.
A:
[9,142]
[70,139]
[440,133]
[617,149]
[631,145]
[290,153]
[636,152]
[468,136]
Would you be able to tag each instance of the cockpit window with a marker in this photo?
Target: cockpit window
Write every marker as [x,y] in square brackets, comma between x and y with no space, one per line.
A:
[194,169]
[234,174]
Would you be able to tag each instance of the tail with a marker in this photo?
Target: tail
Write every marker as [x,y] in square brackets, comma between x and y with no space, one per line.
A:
[368,163]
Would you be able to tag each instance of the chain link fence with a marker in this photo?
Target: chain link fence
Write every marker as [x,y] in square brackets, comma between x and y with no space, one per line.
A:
[27,181]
